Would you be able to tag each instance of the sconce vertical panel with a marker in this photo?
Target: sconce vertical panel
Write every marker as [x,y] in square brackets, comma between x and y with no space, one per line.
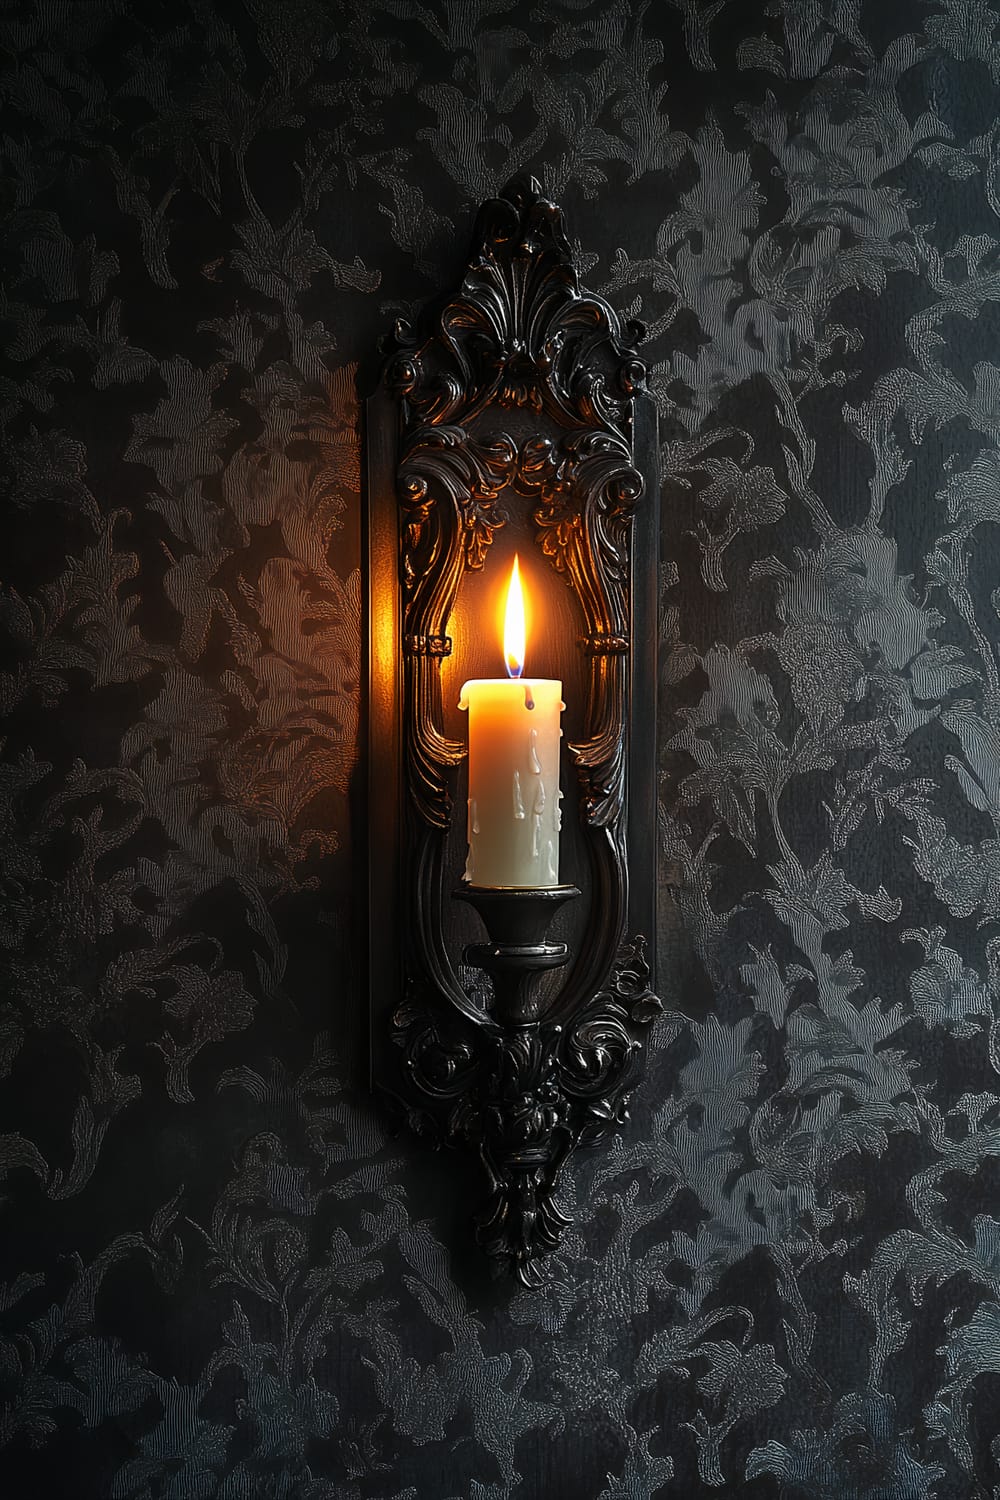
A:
[516,400]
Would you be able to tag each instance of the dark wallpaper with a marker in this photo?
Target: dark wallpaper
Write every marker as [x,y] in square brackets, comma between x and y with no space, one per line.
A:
[220,1274]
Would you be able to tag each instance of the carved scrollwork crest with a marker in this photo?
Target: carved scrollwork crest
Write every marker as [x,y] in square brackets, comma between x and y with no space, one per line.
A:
[520,332]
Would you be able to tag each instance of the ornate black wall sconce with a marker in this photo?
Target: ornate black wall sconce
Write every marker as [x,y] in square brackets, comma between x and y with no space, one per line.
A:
[512,420]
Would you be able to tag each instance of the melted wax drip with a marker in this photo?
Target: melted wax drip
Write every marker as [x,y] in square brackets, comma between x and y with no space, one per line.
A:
[533,752]
[470,858]
[536,819]
[529,701]
[553,873]
[518,800]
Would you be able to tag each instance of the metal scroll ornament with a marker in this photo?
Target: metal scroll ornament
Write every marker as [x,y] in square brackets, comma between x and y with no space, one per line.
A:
[518,388]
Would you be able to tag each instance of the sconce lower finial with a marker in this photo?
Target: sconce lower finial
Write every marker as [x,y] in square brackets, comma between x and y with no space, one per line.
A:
[521,1123]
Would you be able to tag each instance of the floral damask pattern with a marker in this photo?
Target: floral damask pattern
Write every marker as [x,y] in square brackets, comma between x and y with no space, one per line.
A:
[219,1274]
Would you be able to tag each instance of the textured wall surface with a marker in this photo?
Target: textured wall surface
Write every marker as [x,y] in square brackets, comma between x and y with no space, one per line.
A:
[219,1276]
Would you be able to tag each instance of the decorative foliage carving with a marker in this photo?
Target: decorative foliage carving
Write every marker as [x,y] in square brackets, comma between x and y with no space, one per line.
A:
[603,1039]
[440,1059]
[449,479]
[587,488]
[448,485]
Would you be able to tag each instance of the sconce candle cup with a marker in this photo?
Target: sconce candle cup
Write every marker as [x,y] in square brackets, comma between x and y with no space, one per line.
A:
[517,402]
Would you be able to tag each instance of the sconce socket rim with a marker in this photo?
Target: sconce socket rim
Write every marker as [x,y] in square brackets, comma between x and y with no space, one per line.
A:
[517,917]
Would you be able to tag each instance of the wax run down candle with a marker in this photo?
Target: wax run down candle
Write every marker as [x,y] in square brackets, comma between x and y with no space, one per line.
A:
[514,814]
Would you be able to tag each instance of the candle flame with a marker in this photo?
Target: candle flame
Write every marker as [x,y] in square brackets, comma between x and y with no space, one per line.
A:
[513,625]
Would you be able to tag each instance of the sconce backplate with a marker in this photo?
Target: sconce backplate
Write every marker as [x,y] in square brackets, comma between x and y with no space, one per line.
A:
[515,404]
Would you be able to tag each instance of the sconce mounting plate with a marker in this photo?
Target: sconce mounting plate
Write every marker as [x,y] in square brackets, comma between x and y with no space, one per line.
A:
[514,409]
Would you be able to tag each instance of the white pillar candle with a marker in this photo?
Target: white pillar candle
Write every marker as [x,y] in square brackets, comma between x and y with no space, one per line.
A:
[513,781]
[514,794]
